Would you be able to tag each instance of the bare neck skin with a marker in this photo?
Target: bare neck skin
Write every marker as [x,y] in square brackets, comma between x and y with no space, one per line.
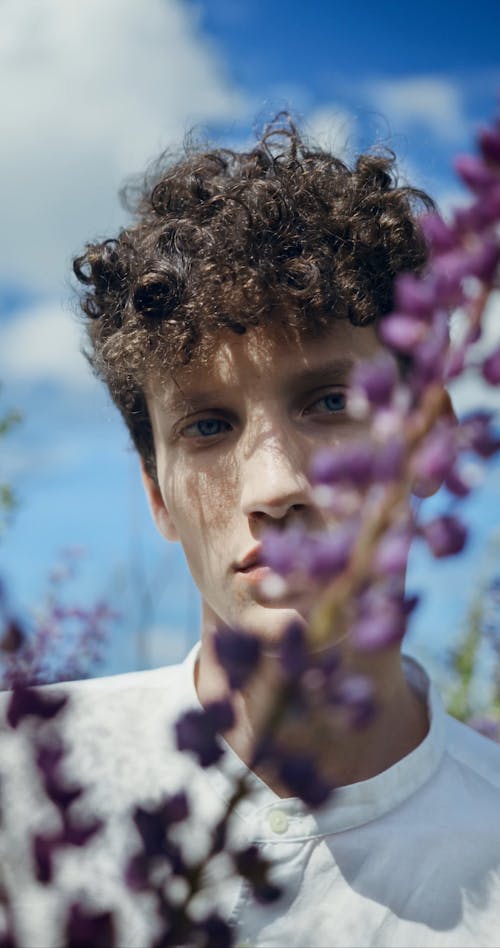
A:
[398,727]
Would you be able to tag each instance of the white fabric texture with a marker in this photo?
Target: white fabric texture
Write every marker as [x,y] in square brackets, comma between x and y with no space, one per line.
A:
[408,858]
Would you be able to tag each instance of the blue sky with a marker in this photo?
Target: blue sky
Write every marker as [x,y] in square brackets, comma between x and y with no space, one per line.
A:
[88,94]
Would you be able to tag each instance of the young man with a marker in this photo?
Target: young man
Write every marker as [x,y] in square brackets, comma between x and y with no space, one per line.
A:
[226,321]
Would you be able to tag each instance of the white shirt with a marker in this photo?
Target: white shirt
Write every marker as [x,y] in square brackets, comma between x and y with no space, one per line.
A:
[408,858]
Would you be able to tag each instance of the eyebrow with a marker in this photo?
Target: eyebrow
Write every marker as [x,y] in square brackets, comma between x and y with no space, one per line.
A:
[336,371]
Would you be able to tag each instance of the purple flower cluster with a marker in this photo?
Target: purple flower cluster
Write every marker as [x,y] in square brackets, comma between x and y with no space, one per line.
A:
[67,641]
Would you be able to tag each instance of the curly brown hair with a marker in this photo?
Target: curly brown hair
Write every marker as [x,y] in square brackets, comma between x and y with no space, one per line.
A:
[284,235]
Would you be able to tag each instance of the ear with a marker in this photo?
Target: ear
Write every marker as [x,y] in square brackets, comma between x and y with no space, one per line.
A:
[158,507]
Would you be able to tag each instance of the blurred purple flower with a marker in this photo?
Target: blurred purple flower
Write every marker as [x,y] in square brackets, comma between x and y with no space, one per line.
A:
[32,702]
[216,932]
[488,727]
[356,694]
[490,369]
[294,654]
[437,232]
[85,928]
[300,774]
[374,380]
[77,833]
[328,553]
[483,261]
[402,331]
[457,484]
[382,619]
[389,460]
[489,143]
[352,463]
[43,847]
[197,731]
[415,295]
[12,637]
[255,869]
[445,535]
[239,653]
[391,555]
[283,550]
[478,176]
[476,433]
[434,459]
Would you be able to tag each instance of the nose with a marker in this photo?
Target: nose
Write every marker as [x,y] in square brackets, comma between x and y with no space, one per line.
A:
[275,485]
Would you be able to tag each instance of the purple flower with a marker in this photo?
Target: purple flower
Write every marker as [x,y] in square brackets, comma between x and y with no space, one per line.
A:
[476,433]
[433,460]
[239,653]
[294,654]
[197,731]
[283,550]
[488,727]
[31,702]
[430,354]
[300,774]
[152,827]
[402,331]
[356,694]
[449,271]
[437,232]
[391,556]
[12,637]
[43,847]
[489,143]
[389,460]
[490,368]
[445,535]
[255,869]
[415,295]
[84,928]
[483,261]
[352,464]
[328,553]
[137,873]
[374,380]
[79,833]
[216,931]
[381,621]
[478,176]
[457,484]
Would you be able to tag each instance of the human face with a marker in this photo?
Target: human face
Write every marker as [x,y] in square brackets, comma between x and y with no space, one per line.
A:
[234,442]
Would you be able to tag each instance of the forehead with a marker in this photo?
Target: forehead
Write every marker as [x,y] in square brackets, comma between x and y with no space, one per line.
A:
[269,358]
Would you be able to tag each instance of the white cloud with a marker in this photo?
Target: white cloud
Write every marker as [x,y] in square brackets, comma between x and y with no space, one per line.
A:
[90,91]
[43,342]
[333,128]
[432,102]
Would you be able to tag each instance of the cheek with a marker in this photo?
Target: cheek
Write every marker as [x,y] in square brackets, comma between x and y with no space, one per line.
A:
[203,506]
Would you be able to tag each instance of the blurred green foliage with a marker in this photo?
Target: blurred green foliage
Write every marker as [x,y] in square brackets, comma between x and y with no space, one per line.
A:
[8,501]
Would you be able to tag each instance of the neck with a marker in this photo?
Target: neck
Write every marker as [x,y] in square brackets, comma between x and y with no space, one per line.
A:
[347,755]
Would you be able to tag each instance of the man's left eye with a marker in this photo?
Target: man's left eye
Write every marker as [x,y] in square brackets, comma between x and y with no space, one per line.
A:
[329,404]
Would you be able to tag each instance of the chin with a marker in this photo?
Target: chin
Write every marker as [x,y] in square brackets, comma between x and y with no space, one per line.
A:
[269,623]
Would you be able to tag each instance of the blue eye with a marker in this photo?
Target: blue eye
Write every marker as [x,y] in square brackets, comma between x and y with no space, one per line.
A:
[333,402]
[206,428]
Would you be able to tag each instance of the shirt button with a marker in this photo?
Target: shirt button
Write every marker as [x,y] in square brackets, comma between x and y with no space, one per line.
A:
[278,821]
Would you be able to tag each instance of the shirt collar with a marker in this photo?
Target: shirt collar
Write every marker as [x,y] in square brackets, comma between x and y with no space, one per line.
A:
[349,806]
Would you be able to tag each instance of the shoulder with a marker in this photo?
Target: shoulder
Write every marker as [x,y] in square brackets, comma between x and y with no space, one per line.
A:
[476,755]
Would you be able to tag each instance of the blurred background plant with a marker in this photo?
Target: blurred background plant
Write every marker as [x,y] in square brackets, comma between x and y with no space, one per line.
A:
[8,501]
[472,688]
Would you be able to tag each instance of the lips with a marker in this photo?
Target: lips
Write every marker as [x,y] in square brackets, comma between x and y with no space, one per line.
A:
[252,560]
